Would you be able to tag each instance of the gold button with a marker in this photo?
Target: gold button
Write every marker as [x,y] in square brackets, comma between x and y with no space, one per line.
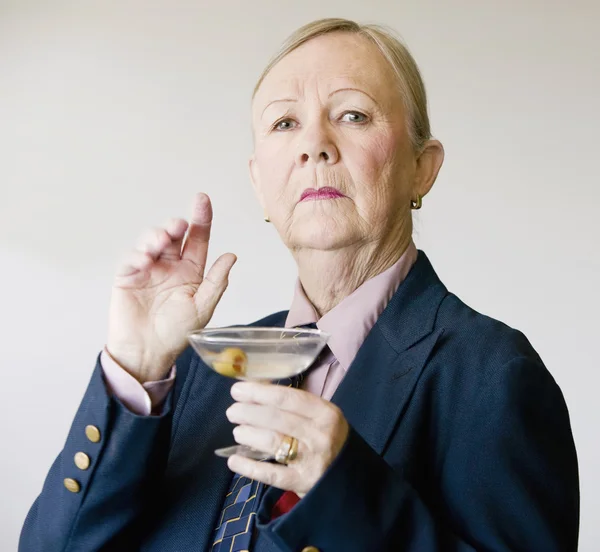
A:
[82,460]
[310,549]
[72,485]
[93,433]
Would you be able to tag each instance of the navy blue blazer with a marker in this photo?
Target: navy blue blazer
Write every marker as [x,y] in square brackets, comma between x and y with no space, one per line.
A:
[460,440]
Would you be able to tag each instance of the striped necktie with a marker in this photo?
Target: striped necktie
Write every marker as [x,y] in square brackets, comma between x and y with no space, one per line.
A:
[236,522]
[235,525]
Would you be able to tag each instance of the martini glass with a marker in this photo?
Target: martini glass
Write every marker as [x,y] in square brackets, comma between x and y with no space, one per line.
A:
[257,354]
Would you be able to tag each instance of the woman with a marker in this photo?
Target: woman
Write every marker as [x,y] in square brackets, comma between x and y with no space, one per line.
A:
[425,426]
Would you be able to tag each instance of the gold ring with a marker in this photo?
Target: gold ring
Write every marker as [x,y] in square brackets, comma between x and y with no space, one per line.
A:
[288,446]
[293,450]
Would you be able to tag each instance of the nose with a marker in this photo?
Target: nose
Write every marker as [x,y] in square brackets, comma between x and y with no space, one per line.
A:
[316,146]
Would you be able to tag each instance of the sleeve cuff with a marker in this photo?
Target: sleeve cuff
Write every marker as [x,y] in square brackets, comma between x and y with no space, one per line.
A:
[142,399]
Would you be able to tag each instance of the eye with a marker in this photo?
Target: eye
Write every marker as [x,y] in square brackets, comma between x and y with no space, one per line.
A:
[354,117]
[284,124]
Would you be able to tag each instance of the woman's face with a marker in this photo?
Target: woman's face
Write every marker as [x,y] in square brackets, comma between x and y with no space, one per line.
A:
[333,164]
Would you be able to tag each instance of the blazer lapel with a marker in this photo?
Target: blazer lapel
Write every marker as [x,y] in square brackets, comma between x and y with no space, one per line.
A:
[380,381]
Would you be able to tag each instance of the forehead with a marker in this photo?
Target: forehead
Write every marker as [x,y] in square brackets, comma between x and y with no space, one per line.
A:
[331,61]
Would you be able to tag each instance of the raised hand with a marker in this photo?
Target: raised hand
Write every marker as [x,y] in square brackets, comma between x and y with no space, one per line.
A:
[161,292]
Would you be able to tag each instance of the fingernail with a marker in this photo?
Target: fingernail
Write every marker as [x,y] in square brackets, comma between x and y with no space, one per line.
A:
[236,391]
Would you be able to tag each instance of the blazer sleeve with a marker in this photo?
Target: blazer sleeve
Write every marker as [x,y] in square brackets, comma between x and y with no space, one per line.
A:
[100,511]
[509,482]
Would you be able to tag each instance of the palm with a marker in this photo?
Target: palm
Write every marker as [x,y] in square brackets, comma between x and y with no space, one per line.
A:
[161,306]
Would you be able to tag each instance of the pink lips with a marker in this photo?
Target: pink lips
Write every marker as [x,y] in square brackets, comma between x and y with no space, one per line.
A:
[310,194]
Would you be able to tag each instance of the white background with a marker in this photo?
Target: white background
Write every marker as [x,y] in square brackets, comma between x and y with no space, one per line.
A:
[112,114]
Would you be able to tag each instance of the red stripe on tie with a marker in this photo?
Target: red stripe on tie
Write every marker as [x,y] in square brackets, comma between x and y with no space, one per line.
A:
[285,503]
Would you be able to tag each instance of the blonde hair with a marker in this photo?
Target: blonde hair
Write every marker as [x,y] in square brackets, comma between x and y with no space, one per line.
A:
[395,52]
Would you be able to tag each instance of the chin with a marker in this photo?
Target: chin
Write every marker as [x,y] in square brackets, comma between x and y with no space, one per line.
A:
[323,234]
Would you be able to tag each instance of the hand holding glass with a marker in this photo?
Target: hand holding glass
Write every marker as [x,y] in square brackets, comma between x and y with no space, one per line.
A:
[257,354]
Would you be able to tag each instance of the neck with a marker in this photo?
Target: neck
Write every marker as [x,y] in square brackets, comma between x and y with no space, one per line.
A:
[328,277]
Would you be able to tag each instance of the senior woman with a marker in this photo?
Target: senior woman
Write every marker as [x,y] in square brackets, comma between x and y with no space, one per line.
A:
[424,426]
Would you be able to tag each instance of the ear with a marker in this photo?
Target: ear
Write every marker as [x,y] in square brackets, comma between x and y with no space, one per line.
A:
[254,177]
[428,166]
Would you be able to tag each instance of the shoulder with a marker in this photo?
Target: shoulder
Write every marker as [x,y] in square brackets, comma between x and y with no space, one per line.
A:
[467,329]
[481,353]
[484,373]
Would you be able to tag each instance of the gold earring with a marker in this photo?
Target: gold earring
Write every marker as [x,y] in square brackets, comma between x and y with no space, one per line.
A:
[416,204]
[267,219]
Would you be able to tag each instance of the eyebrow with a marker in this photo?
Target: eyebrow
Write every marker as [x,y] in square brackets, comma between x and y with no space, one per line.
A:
[352,89]
[345,89]
[275,101]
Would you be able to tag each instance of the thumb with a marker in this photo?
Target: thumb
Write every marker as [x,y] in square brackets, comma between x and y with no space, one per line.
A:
[213,286]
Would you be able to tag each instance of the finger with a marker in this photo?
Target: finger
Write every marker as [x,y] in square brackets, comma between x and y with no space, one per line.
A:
[274,475]
[214,284]
[257,438]
[136,261]
[195,248]
[175,228]
[271,418]
[154,242]
[282,397]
